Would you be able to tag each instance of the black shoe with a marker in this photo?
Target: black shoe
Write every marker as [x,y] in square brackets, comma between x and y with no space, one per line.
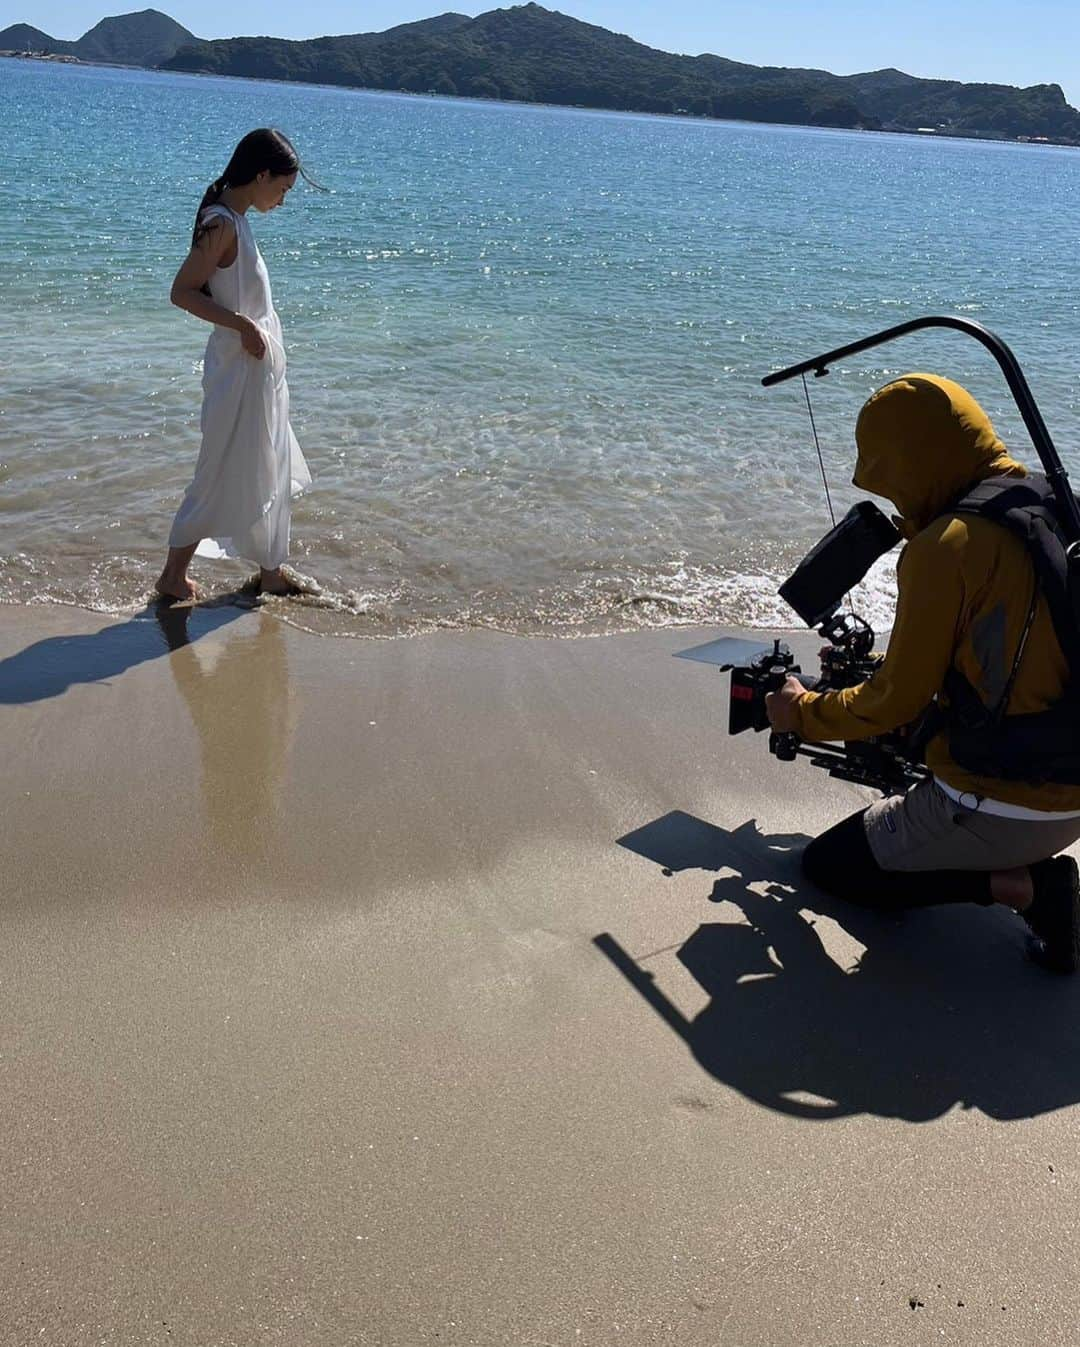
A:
[1054,914]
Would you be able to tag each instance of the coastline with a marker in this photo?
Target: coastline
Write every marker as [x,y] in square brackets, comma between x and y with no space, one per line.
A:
[324,617]
[310,1040]
[917,133]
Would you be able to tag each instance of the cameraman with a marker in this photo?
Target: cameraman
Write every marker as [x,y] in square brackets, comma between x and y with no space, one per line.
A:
[966,586]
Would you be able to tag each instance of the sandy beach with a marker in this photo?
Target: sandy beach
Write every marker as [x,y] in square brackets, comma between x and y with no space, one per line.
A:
[463,989]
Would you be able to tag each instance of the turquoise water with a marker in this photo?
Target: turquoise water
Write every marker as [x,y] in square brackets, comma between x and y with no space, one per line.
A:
[525,343]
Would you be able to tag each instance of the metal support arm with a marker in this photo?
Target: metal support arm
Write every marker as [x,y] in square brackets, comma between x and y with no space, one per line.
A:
[1014,377]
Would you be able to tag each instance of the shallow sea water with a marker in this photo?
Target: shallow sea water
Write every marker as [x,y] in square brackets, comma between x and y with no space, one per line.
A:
[525,343]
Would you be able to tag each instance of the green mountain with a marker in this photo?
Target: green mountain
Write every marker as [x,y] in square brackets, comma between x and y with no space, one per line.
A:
[988,109]
[532,54]
[147,38]
[526,53]
[21,37]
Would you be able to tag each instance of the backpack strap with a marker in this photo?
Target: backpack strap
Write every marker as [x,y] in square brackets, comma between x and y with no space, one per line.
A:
[1026,507]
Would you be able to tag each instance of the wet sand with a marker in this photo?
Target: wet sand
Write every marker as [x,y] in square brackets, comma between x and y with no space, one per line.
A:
[308,1038]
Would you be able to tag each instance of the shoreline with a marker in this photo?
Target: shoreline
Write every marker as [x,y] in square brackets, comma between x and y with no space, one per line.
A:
[293,616]
[914,132]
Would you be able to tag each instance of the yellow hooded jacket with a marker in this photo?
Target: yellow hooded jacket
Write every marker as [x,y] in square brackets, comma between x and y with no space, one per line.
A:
[965,585]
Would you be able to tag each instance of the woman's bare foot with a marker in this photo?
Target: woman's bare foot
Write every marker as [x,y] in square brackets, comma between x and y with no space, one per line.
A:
[173,582]
[286,582]
[177,587]
[275,582]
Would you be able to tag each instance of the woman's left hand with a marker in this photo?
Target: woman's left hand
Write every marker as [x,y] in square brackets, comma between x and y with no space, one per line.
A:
[780,706]
[252,338]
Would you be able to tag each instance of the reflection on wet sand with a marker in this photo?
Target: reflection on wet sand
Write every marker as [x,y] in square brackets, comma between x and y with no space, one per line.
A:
[238,691]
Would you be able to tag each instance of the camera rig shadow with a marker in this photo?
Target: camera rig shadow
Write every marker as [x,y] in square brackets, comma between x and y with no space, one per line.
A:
[915,1027]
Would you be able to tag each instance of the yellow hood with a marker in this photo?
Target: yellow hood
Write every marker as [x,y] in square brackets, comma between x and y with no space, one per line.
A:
[922,440]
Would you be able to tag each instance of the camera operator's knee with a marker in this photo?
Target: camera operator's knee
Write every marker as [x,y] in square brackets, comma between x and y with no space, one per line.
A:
[814,861]
[827,857]
[840,861]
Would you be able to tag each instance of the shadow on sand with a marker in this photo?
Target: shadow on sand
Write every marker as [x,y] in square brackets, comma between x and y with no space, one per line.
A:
[48,668]
[941,1009]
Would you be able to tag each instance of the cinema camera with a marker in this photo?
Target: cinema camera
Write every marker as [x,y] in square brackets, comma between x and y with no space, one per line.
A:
[889,762]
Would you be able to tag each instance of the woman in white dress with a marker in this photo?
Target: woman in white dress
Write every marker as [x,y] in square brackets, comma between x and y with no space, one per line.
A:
[250,465]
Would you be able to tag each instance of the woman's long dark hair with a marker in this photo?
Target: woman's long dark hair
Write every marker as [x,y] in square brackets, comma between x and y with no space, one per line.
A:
[264,150]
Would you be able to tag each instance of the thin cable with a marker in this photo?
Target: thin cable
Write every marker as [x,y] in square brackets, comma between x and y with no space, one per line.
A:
[817,446]
[824,478]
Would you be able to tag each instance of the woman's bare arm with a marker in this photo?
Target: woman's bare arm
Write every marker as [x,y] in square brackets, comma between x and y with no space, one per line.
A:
[188,294]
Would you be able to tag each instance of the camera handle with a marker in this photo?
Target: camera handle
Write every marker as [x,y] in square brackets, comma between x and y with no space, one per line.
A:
[784,745]
[1018,386]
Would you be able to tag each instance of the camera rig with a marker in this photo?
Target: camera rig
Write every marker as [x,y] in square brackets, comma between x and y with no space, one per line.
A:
[889,762]
[886,762]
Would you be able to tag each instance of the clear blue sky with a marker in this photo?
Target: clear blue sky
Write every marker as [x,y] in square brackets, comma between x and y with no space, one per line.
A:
[992,40]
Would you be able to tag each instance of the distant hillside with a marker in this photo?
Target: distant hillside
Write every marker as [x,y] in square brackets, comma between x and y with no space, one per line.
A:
[526,53]
[533,54]
[21,37]
[147,38]
[536,55]
[987,109]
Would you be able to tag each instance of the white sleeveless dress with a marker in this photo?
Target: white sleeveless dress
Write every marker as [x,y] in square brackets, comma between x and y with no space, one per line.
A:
[250,465]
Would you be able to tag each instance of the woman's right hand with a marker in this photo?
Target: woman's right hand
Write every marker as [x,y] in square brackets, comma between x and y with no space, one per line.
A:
[252,338]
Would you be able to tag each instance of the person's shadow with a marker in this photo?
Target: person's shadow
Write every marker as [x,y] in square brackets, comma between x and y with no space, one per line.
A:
[48,668]
[941,1009]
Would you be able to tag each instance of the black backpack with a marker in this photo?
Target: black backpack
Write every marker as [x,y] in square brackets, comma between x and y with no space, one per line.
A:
[1044,746]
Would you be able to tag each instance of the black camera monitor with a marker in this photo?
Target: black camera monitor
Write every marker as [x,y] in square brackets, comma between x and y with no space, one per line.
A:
[838,563]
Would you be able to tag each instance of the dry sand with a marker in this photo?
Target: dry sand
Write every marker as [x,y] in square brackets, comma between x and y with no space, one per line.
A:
[307,1038]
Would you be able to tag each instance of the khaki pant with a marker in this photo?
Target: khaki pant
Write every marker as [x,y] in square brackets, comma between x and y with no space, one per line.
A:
[926,830]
